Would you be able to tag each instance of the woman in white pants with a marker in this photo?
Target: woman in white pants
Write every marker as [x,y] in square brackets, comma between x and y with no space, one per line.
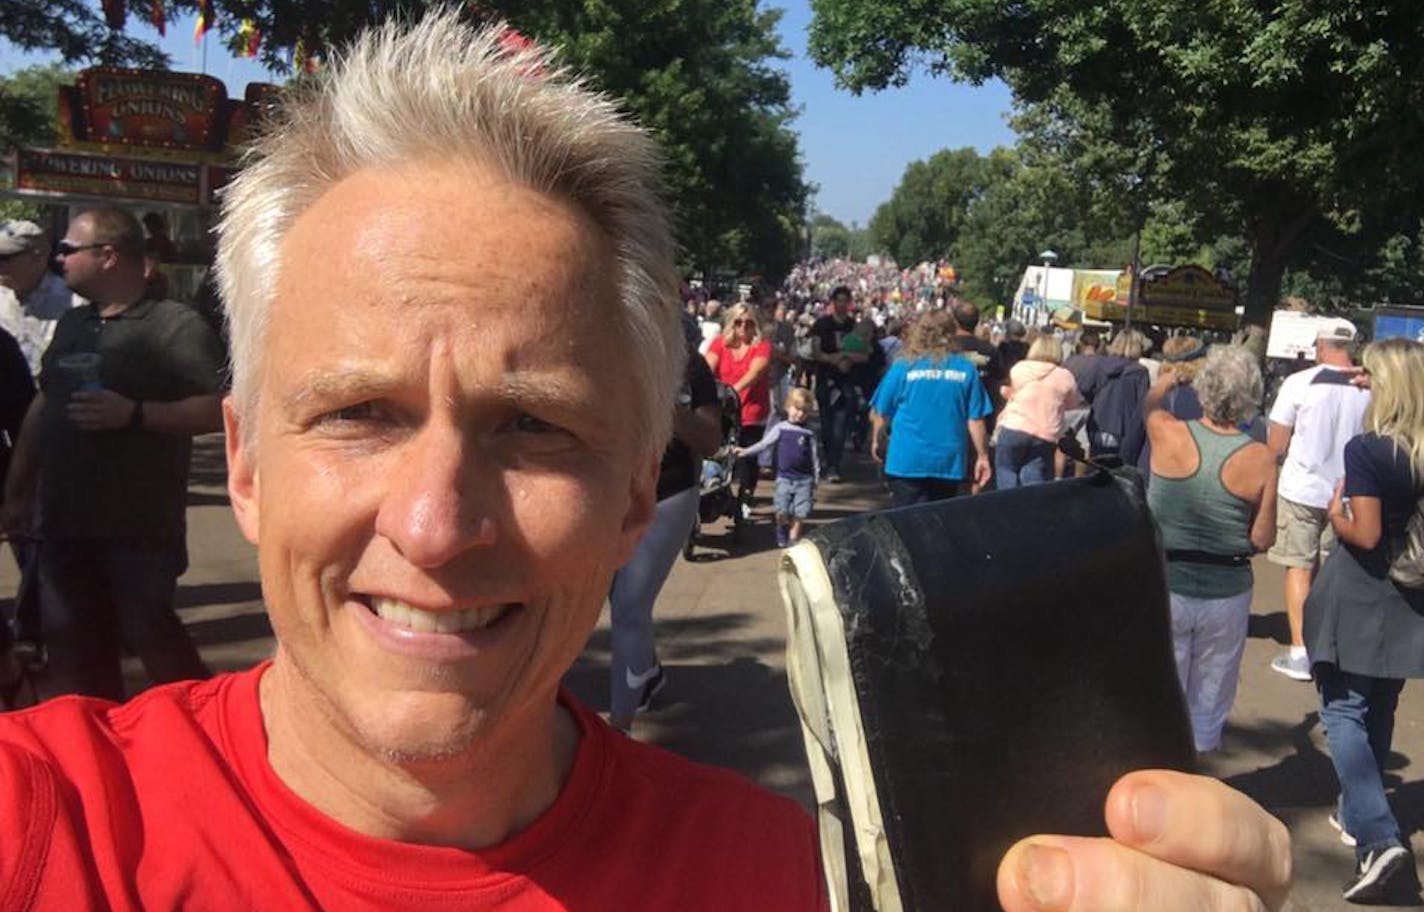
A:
[635,674]
[1213,494]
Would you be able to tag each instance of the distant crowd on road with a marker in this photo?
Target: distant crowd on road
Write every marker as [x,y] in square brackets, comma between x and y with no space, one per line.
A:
[1324,478]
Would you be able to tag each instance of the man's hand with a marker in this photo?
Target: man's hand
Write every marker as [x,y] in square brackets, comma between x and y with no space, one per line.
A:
[1179,843]
[983,473]
[99,410]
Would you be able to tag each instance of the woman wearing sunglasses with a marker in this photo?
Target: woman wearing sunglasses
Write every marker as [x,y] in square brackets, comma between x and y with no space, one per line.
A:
[740,358]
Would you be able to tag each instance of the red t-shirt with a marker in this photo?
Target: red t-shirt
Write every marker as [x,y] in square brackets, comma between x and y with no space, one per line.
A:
[756,399]
[168,802]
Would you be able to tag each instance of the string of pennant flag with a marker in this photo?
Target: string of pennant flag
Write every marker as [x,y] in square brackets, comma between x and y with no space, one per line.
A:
[302,56]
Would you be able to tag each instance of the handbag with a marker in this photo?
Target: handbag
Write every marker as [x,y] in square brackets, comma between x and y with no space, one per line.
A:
[1406,566]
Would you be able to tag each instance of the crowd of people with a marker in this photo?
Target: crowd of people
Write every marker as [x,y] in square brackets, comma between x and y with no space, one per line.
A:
[1324,483]
[447,468]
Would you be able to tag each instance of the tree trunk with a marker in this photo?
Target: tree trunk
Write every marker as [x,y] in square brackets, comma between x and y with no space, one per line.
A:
[1274,237]
[1263,288]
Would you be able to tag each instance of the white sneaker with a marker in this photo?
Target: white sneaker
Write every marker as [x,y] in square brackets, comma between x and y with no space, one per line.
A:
[1345,837]
[1297,669]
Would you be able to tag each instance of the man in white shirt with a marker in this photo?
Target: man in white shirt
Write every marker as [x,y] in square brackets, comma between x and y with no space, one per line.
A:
[32,299]
[1316,412]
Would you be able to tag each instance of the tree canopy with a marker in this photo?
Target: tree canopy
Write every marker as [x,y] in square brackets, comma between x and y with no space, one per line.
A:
[924,216]
[1294,122]
[700,74]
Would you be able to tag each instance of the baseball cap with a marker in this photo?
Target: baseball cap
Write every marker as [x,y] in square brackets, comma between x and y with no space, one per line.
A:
[1337,331]
[17,235]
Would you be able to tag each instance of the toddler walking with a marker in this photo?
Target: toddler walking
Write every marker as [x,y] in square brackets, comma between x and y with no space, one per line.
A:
[797,466]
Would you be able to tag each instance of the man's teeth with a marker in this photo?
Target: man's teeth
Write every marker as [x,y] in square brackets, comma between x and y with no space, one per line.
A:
[400,613]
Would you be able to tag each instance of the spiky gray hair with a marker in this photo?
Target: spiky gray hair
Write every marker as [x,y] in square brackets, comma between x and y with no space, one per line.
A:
[441,90]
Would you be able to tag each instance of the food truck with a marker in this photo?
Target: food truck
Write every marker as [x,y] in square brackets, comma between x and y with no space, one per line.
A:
[1185,296]
[157,143]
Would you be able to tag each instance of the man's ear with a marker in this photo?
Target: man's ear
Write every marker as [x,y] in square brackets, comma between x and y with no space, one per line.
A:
[642,504]
[242,482]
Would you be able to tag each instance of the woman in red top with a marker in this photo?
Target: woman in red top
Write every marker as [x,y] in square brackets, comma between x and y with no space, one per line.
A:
[740,358]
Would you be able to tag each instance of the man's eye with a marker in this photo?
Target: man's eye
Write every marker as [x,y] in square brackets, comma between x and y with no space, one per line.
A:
[360,412]
[530,425]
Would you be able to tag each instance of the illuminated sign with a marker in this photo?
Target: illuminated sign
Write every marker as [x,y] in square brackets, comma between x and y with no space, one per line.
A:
[151,108]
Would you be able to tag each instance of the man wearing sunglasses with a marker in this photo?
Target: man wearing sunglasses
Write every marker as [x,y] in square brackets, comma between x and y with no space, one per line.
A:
[103,453]
[32,297]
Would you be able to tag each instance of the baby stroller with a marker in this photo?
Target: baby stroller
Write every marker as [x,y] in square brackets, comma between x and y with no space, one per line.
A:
[718,496]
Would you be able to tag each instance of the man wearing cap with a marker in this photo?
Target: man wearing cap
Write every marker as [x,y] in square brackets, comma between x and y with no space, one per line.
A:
[102,459]
[1014,346]
[32,298]
[1315,413]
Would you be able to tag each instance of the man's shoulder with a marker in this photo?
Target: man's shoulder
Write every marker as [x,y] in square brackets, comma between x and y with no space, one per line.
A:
[79,736]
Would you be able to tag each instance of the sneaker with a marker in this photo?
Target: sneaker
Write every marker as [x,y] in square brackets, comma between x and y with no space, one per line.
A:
[652,682]
[1345,837]
[783,537]
[1374,873]
[1297,669]
[833,476]
[746,511]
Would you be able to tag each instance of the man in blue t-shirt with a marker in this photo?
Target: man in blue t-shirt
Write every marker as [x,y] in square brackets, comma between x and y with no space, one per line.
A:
[937,406]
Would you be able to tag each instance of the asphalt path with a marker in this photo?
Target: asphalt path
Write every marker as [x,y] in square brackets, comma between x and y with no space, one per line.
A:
[721,637]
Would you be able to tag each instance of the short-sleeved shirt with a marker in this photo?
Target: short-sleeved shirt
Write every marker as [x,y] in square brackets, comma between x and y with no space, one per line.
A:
[929,402]
[756,399]
[125,483]
[170,802]
[1324,410]
[830,330]
[1376,467]
[680,469]
[987,361]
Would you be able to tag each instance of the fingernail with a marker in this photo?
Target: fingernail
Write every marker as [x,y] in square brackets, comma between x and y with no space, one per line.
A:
[1149,812]
[1046,874]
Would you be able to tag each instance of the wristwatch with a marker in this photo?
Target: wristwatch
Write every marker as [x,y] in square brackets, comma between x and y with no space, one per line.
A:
[136,416]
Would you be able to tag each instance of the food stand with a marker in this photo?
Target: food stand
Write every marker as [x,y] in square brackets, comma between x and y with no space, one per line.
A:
[150,141]
[1187,296]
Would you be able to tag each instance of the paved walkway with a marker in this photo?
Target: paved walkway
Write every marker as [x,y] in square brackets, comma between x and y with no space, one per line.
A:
[721,635]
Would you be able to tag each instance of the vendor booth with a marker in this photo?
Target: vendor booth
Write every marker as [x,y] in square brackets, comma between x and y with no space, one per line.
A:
[157,143]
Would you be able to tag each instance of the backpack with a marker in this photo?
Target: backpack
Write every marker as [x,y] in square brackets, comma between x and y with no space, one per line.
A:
[1406,566]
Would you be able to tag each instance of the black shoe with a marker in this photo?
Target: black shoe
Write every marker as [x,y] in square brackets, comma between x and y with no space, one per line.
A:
[1375,873]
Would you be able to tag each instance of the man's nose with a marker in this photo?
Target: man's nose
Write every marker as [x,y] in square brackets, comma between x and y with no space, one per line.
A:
[438,505]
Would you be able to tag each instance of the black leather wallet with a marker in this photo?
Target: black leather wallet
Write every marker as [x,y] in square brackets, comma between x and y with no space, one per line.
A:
[974,671]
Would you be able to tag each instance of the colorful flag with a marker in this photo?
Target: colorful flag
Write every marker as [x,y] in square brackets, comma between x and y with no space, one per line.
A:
[156,16]
[205,21]
[251,37]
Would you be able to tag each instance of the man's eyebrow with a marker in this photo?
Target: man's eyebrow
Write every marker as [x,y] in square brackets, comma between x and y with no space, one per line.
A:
[515,388]
[338,386]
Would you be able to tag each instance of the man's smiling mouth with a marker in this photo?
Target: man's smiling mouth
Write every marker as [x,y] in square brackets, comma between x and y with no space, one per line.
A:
[418,620]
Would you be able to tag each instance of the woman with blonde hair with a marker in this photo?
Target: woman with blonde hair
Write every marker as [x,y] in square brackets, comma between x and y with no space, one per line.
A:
[1039,391]
[740,358]
[1364,632]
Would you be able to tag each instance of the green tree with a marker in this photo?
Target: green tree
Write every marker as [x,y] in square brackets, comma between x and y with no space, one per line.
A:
[829,237]
[75,31]
[29,111]
[923,217]
[1294,119]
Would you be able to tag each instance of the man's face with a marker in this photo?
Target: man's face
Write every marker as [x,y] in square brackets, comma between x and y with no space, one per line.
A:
[443,440]
[839,305]
[86,264]
[21,272]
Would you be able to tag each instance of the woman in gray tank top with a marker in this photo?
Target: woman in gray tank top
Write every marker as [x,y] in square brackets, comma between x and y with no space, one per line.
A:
[1213,494]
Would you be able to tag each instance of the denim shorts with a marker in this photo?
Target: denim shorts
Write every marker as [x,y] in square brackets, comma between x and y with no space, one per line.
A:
[793,497]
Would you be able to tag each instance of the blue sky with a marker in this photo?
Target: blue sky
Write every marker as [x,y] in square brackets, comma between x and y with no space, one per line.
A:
[855,148]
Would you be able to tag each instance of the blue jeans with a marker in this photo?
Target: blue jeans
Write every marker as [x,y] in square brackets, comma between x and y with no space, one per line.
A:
[837,405]
[1021,459]
[1358,712]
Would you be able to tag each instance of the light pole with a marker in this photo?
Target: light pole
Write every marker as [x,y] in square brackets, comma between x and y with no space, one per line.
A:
[1049,258]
